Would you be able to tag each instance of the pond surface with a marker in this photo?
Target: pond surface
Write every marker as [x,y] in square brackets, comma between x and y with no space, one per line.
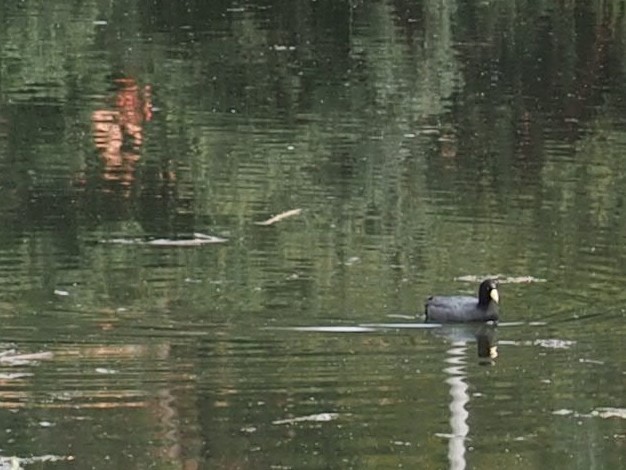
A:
[150,319]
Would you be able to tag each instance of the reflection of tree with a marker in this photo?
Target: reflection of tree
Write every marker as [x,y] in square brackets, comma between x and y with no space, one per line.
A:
[118,132]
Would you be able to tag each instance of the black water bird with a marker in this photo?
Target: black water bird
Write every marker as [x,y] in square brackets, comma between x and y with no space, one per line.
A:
[462,308]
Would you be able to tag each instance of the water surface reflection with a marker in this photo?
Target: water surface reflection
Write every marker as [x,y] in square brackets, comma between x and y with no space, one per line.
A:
[419,142]
[459,337]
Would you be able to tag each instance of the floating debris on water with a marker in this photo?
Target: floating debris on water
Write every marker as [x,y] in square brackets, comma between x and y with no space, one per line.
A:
[317,418]
[501,278]
[610,412]
[590,361]
[279,217]
[554,343]
[24,359]
[198,239]
[600,412]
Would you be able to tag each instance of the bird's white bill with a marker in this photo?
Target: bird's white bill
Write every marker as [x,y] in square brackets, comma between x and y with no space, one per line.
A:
[494,295]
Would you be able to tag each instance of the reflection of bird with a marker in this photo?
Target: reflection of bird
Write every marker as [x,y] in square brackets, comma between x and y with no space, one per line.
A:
[461,308]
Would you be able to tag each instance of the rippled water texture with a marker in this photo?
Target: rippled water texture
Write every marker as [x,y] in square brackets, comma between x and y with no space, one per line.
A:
[219,222]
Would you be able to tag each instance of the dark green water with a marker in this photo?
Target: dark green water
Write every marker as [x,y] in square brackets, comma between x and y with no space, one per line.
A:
[423,142]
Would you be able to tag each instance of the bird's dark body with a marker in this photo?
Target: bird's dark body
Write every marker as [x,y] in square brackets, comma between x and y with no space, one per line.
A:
[462,308]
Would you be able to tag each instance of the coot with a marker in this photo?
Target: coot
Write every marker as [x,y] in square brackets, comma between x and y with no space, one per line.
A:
[462,308]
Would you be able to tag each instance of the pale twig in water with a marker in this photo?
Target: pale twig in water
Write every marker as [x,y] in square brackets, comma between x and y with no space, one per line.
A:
[198,239]
[279,217]
[501,278]
[22,359]
[318,418]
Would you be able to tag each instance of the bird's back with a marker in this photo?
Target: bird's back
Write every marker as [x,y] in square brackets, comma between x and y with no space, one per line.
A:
[457,308]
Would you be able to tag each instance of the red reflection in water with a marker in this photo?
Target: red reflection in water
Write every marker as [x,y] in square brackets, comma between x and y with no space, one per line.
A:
[118,132]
